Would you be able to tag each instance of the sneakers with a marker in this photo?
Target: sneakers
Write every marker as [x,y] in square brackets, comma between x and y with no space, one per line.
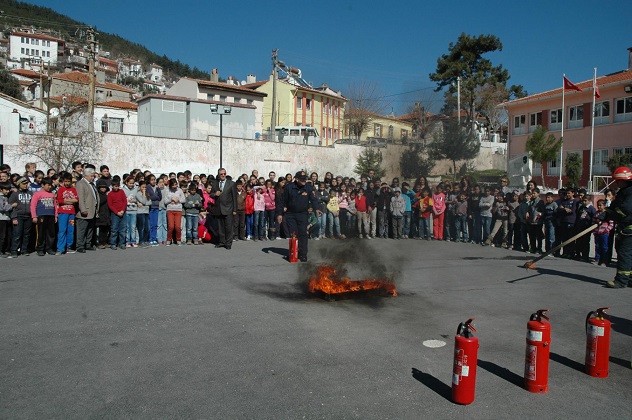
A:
[614,285]
[189,242]
[368,237]
[134,245]
[13,255]
[113,247]
[249,237]
[359,236]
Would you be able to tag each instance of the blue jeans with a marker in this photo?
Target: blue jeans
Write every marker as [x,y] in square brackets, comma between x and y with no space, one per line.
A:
[260,225]
[322,223]
[153,225]
[486,221]
[161,233]
[192,224]
[142,222]
[250,224]
[333,223]
[270,216]
[130,222]
[549,235]
[425,228]
[66,235]
[460,222]
[407,216]
[118,230]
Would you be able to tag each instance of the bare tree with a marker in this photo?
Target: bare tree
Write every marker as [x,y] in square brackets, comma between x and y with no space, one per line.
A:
[365,103]
[67,141]
[489,96]
[421,118]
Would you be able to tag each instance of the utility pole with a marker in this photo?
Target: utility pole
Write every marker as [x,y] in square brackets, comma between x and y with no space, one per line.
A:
[458,99]
[91,74]
[275,75]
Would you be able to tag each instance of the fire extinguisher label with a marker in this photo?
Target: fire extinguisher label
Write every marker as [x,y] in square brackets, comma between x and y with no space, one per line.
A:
[534,335]
[465,370]
[455,379]
[530,365]
[596,331]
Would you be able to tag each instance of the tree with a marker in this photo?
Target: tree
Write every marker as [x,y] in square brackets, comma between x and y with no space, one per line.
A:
[454,144]
[422,120]
[619,160]
[573,165]
[369,159]
[9,85]
[465,60]
[542,148]
[68,140]
[415,162]
[362,107]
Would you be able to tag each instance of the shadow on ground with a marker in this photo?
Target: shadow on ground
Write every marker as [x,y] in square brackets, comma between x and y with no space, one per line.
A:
[433,383]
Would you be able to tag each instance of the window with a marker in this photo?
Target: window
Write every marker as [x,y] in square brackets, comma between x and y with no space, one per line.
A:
[602,113]
[37,42]
[21,50]
[519,124]
[600,162]
[623,110]
[112,125]
[222,98]
[391,131]
[324,108]
[622,151]
[173,106]
[576,116]
[404,134]
[377,130]
[299,103]
[555,119]
[534,121]
[308,104]
[336,110]
[237,100]
[330,108]
[47,53]
[249,101]
[22,39]
[330,133]
[48,43]
[554,167]
[209,96]
[336,134]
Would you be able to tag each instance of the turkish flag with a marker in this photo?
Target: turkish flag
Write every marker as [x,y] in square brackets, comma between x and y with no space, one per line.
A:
[568,85]
[597,94]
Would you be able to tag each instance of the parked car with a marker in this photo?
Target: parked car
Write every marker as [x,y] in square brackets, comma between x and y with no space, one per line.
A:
[375,142]
[347,141]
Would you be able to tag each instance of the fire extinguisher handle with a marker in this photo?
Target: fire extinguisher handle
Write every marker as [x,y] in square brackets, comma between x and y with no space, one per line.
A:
[465,327]
[539,315]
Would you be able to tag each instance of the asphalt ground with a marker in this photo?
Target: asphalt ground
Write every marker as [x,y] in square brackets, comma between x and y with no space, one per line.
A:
[199,332]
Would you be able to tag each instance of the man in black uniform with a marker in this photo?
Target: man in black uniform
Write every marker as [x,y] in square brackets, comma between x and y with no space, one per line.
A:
[295,201]
[621,211]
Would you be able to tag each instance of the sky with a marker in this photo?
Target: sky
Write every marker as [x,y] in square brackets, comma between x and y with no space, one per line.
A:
[392,44]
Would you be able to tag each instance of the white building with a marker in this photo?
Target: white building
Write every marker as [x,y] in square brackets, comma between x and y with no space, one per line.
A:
[129,68]
[154,73]
[34,48]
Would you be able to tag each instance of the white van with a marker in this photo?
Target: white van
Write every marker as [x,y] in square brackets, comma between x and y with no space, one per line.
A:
[297,134]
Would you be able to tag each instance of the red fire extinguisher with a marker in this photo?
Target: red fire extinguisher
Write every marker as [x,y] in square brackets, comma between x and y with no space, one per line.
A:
[536,363]
[597,343]
[293,255]
[465,360]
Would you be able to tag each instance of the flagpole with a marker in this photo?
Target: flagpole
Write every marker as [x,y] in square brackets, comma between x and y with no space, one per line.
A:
[592,133]
[559,181]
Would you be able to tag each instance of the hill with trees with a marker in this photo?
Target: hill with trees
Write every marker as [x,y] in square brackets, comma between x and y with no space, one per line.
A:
[19,14]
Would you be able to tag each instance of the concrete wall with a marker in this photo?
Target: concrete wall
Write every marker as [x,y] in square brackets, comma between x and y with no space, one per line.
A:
[125,152]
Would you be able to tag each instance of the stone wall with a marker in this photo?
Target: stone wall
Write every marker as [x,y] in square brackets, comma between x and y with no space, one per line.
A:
[124,152]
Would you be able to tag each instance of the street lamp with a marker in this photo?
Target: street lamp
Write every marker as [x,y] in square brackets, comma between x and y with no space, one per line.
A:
[226,111]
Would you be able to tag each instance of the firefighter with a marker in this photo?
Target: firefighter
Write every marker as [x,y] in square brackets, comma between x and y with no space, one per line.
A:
[295,202]
[620,210]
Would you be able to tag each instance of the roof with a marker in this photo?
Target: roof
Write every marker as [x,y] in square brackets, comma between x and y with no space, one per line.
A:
[26,73]
[108,61]
[226,86]
[4,41]
[255,84]
[83,78]
[37,36]
[609,79]
[184,99]
[70,100]
[21,103]
[119,105]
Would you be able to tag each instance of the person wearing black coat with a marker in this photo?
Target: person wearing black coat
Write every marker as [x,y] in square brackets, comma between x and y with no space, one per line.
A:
[103,216]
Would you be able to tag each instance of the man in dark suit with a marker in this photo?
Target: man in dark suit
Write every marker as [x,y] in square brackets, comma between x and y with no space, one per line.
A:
[225,194]
[88,205]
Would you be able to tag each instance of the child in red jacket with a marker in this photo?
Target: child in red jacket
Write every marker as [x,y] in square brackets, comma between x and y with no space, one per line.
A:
[250,211]
[117,202]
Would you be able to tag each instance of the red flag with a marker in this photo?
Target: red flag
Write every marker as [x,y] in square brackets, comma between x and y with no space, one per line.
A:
[597,94]
[568,85]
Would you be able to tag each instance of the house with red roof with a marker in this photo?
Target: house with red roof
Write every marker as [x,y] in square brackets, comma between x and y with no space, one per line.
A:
[76,83]
[612,124]
[28,49]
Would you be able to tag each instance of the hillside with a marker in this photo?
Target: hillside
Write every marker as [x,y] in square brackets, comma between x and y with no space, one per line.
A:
[17,13]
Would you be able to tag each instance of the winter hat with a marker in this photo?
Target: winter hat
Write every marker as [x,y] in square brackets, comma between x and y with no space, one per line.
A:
[397,189]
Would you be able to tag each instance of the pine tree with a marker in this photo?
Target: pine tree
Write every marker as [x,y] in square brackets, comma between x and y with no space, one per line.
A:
[542,148]
[369,159]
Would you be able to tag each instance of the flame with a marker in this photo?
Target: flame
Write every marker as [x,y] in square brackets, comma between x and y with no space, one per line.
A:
[326,280]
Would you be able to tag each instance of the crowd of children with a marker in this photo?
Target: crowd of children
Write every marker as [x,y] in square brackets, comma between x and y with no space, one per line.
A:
[140,209]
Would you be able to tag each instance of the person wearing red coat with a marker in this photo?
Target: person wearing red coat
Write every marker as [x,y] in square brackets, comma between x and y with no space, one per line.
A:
[117,202]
